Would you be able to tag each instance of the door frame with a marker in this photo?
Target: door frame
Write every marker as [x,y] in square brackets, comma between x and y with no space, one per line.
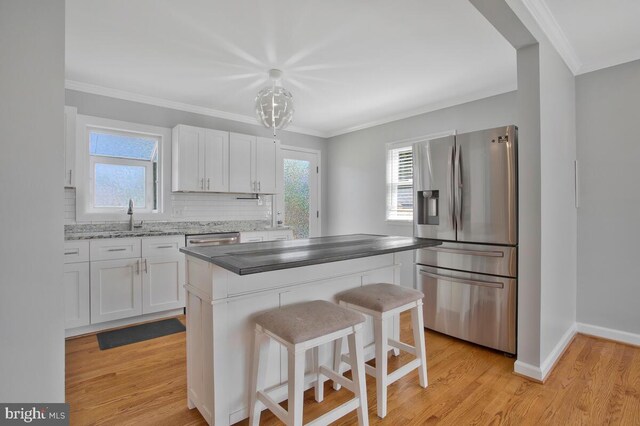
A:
[280,178]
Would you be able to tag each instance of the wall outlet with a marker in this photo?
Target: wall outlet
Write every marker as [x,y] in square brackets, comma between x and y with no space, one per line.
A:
[178,212]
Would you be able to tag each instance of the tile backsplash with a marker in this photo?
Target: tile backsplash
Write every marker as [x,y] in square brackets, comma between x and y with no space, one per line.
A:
[197,207]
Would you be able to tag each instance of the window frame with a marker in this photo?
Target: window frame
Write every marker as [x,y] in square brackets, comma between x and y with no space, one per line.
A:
[85,212]
[393,146]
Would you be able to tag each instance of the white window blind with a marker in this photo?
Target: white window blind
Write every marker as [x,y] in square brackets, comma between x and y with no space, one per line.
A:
[400,183]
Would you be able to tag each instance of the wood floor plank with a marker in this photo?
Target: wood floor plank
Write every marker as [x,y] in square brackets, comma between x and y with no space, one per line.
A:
[596,382]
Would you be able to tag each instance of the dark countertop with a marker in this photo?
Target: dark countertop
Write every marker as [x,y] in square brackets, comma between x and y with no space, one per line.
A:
[253,258]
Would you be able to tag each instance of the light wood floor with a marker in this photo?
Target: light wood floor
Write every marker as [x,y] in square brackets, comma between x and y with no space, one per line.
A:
[596,382]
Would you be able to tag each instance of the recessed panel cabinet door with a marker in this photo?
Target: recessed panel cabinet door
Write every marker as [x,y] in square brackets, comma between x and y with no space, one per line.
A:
[216,161]
[116,289]
[163,279]
[76,294]
[188,159]
[266,161]
[241,163]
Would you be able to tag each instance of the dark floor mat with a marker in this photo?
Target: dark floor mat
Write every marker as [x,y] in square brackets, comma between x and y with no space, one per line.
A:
[139,333]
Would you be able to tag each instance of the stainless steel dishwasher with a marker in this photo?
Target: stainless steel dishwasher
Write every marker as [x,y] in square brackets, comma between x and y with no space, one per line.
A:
[212,239]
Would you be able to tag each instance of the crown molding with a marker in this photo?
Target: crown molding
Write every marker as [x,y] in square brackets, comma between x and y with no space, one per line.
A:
[505,88]
[610,60]
[545,19]
[165,103]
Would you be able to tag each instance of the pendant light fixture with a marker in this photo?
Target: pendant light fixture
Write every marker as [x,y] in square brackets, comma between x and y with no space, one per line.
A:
[274,104]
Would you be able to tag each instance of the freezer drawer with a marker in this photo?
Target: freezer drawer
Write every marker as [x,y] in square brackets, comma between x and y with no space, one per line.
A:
[473,307]
[478,258]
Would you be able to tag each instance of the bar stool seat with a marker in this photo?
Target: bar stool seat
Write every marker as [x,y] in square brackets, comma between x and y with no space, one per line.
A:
[383,302]
[300,327]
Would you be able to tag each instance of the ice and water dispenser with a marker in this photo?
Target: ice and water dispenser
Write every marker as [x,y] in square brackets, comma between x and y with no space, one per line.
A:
[428,207]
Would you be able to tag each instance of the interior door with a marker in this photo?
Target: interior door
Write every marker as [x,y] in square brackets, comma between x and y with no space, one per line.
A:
[298,201]
[432,185]
[486,180]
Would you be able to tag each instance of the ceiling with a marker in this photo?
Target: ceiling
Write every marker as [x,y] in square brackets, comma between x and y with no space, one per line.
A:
[590,34]
[349,64]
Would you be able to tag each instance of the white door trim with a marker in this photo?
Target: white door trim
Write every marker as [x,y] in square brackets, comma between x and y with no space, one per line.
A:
[318,155]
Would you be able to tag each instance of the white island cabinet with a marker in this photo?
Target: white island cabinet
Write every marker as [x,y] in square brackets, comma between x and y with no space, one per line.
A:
[221,305]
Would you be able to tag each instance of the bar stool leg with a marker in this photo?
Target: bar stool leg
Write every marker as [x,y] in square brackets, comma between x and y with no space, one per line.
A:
[337,360]
[418,341]
[319,386]
[357,356]
[396,333]
[258,374]
[381,339]
[296,386]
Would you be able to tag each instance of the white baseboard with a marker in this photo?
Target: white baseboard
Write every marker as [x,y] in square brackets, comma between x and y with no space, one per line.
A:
[94,328]
[609,333]
[540,373]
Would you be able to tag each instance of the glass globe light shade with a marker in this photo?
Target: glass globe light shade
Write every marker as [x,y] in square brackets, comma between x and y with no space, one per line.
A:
[274,107]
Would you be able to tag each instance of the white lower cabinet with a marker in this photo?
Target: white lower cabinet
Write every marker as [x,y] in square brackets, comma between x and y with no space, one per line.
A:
[76,295]
[162,283]
[259,236]
[116,289]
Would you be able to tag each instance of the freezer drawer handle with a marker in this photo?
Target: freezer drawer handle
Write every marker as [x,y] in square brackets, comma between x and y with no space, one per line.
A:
[462,280]
[465,251]
[217,240]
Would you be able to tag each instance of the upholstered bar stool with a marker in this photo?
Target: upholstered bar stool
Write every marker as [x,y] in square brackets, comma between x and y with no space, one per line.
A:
[300,327]
[383,302]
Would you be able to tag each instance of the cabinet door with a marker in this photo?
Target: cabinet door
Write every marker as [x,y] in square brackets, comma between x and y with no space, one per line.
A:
[70,114]
[76,294]
[216,161]
[162,283]
[241,163]
[188,159]
[266,161]
[116,289]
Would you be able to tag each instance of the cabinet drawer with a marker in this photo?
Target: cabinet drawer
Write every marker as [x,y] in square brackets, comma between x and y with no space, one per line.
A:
[115,248]
[253,237]
[281,235]
[76,251]
[162,246]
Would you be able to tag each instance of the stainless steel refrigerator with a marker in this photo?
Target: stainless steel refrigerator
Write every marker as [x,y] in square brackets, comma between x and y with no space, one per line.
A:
[466,195]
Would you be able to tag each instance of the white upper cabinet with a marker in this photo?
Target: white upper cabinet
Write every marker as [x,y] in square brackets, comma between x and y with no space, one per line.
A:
[200,159]
[266,161]
[70,114]
[252,164]
[241,163]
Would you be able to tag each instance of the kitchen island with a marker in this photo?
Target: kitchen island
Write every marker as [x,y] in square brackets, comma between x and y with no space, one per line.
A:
[228,285]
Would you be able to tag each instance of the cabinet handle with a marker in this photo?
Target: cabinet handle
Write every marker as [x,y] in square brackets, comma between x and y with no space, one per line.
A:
[146,267]
[66,253]
[208,182]
[202,183]
[116,249]
[259,186]
[138,267]
[164,247]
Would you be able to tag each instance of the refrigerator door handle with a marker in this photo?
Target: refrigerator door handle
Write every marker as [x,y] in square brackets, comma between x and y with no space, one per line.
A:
[463,280]
[450,187]
[458,186]
[466,251]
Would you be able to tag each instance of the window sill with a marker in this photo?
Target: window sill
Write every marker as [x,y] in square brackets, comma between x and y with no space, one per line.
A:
[401,222]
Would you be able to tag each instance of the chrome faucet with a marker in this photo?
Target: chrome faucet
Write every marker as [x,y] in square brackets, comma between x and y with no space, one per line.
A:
[130,213]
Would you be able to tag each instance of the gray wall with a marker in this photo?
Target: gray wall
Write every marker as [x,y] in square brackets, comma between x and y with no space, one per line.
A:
[608,109]
[117,109]
[32,138]
[357,165]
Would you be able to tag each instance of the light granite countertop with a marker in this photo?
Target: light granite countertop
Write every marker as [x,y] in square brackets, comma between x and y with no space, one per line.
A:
[154,229]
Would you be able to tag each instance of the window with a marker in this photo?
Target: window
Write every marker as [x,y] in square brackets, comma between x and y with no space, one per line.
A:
[123,166]
[118,162]
[400,182]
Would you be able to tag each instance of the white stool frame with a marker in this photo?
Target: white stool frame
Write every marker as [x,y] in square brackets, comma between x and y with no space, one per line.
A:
[383,344]
[296,365]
